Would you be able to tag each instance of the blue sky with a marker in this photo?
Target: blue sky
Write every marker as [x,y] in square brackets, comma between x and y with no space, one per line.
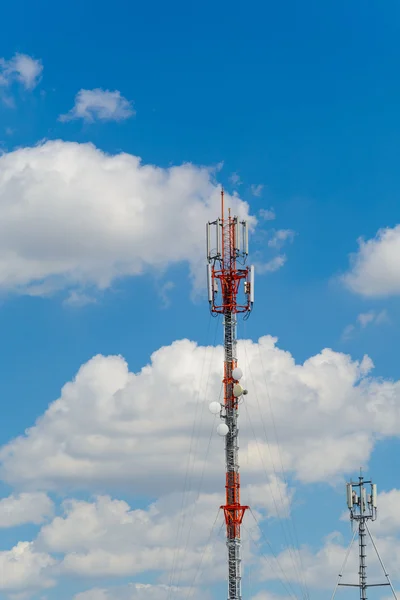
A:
[293,108]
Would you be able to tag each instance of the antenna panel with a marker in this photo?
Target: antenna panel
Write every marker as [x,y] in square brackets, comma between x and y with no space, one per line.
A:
[219,237]
[209,284]
[208,240]
[374,496]
[246,238]
[238,227]
[349,494]
[252,284]
[364,498]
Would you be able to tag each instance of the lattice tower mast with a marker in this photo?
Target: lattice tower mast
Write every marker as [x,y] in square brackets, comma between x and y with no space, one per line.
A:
[363,508]
[230,291]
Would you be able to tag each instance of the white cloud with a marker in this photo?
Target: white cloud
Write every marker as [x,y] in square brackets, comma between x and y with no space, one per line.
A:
[99,105]
[256,190]
[95,594]
[372,316]
[107,538]
[73,217]
[320,569]
[267,214]
[280,237]
[103,431]
[272,265]
[266,595]
[388,521]
[78,299]
[22,68]
[139,591]
[364,320]
[235,179]
[348,332]
[163,291]
[22,568]
[25,508]
[375,267]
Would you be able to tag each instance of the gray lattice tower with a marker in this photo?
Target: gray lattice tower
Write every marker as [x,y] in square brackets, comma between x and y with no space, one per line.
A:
[363,508]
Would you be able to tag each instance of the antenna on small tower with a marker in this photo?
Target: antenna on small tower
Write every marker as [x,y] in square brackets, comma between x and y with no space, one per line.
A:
[230,291]
[362,504]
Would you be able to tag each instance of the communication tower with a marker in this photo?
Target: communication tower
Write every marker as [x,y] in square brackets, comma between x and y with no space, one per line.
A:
[362,504]
[230,292]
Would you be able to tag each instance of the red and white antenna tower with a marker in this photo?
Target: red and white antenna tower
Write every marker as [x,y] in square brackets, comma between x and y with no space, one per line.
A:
[227,251]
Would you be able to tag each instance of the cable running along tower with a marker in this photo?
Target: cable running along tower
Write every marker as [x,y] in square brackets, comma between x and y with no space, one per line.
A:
[363,508]
[230,291]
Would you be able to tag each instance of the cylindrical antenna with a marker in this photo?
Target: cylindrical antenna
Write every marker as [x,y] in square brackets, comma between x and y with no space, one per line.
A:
[349,493]
[246,239]
[374,496]
[237,234]
[252,284]
[209,284]
[219,237]
[364,498]
[208,241]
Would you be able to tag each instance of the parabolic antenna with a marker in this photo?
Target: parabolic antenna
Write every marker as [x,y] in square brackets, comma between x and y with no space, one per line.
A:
[237,390]
[215,408]
[222,429]
[237,373]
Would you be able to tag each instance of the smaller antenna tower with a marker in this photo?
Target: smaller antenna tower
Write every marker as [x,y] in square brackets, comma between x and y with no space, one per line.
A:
[362,504]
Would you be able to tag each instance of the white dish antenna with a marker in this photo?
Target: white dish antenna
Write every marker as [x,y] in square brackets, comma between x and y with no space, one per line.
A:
[222,429]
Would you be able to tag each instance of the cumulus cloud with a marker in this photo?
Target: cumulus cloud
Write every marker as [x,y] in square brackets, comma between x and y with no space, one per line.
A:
[375,267]
[23,568]
[107,538]
[73,217]
[139,591]
[99,105]
[22,68]
[388,522]
[103,432]
[320,569]
[25,508]
[266,595]
[103,429]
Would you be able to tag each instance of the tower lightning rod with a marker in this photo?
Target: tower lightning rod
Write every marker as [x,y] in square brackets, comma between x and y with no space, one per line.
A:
[363,508]
[230,292]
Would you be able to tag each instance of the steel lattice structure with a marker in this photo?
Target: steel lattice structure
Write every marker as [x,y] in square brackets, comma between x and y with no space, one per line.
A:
[230,291]
[363,508]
